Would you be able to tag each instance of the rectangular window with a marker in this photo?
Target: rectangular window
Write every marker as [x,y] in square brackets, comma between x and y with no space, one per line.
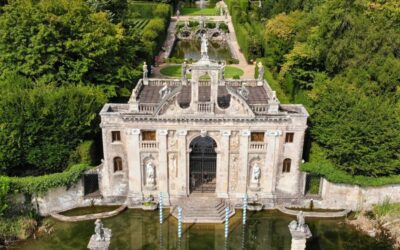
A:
[116,136]
[148,135]
[257,136]
[289,137]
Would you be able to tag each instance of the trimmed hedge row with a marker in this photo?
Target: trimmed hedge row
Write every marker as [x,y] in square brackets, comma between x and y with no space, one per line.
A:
[41,184]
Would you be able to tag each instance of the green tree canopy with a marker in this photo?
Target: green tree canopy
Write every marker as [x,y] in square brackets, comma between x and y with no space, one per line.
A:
[41,124]
[65,42]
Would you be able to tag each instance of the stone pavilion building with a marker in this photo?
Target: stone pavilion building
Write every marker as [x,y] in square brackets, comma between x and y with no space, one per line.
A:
[202,135]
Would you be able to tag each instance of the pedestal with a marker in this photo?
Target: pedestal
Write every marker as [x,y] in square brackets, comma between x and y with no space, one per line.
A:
[299,237]
[100,244]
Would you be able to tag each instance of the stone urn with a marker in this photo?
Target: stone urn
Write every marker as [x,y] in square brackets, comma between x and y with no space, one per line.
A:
[255,205]
[149,204]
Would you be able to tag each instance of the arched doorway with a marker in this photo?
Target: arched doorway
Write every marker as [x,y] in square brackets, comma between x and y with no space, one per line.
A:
[203,165]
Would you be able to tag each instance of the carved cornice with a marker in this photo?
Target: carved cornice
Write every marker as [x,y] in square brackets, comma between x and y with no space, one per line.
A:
[132,131]
[162,132]
[245,133]
[181,132]
[226,133]
[185,118]
[274,133]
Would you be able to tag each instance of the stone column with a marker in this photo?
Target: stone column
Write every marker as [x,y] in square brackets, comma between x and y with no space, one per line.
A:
[223,167]
[182,185]
[271,159]
[135,174]
[162,177]
[244,161]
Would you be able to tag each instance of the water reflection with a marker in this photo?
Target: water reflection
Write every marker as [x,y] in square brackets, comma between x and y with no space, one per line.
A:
[191,50]
[136,229]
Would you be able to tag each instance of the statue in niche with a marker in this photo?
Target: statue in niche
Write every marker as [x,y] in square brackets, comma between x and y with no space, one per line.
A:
[99,230]
[260,71]
[145,71]
[255,177]
[172,160]
[150,174]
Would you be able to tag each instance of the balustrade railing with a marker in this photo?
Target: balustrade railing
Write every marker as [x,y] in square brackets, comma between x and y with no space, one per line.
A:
[205,107]
[162,82]
[259,108]
[257,146]
[148,145]
[204,83]
[147,108]
[239,83]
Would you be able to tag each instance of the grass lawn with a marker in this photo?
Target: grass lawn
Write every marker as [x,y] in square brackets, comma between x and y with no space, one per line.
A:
[175,71]
[199,12]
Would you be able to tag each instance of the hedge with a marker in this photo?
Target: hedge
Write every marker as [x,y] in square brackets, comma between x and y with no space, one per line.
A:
[41,184]
[318,164]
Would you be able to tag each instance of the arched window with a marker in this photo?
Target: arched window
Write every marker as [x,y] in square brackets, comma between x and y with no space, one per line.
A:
[117,164]
[286,165]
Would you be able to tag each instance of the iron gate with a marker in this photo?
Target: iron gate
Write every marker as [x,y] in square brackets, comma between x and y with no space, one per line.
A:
[203,165]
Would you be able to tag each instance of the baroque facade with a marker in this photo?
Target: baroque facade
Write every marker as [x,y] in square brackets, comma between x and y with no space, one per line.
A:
[202,134]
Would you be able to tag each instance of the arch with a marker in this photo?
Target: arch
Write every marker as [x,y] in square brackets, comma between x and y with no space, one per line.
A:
[117,164]
[203,165]
[286,165]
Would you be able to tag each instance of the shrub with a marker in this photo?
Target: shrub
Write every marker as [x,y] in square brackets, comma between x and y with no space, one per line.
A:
[4,191]
[16,228]
[236,77]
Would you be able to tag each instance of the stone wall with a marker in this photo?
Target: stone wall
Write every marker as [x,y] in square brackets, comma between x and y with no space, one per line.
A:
[337,196]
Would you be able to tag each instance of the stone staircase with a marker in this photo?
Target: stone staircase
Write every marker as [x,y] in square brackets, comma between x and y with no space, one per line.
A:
[202,210]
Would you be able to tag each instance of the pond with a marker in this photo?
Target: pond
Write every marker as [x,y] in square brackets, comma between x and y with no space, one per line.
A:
[137,229]
[191,50]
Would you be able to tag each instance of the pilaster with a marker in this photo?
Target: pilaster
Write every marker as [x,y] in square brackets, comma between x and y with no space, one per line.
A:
[271,159]
[182,184]
[223,167]
[244,161]
[134,166]
[107,166]
[163,162]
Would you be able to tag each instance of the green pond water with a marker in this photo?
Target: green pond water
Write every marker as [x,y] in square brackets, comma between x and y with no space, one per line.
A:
[137,229]
[191,50]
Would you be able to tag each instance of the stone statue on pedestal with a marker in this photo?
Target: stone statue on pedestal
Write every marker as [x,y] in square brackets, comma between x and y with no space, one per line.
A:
[260,71]
[184,67]
[101,238]
[145,71]
[255,177]
[150,174]
[204,47]
[300,232]
[99,230]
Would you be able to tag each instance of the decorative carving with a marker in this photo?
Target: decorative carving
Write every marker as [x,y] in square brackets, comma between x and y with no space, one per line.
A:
[226,133]
[235,142]
[162,132]
[203,133]
[273,133]
[172,141]
[133,131]
[181,132]
[245,133]
[164,91]
[243,91]
[234,172]
[150,175]
[173,165]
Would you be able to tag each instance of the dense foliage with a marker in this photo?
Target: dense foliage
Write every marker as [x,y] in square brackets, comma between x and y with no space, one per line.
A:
[342,60]
[59,63]
[41,125]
